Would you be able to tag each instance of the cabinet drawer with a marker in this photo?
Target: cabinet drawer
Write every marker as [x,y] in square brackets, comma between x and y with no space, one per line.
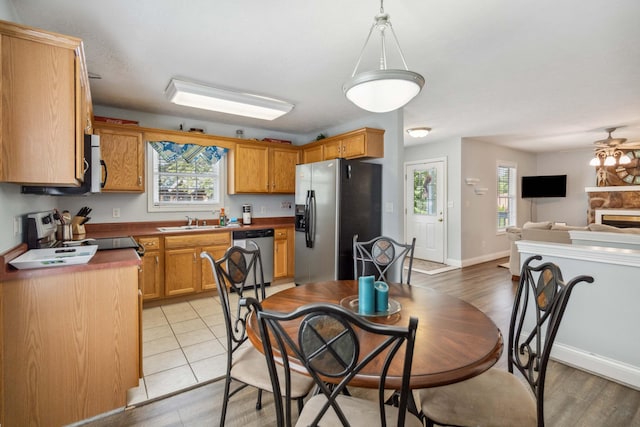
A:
[149,243]
[205,239]
[280,233]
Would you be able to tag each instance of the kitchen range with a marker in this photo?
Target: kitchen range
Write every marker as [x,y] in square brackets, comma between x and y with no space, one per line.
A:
[49,239]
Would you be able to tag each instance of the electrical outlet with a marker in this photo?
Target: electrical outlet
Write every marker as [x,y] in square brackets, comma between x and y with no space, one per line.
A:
[263,210]
[116,212]
[285,205]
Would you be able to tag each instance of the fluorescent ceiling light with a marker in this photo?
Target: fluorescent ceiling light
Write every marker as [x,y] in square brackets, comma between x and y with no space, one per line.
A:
[419,132]
[225,101]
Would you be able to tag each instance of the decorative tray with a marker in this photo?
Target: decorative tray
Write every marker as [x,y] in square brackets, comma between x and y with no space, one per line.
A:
[351,303]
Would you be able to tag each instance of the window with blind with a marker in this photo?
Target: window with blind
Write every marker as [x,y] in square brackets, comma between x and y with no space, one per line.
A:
[187,178]
[506,197]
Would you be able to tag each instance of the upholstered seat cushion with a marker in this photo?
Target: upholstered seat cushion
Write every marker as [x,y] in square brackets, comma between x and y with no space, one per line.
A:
[495,398]
[250,367]
[359,412]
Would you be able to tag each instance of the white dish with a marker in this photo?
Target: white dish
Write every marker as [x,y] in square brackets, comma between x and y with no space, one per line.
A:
[54,257]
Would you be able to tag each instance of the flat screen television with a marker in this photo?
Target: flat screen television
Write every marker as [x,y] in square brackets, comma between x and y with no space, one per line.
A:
[544,186]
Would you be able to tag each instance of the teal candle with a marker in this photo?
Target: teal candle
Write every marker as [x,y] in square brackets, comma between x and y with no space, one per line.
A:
[382,297]
[366,295]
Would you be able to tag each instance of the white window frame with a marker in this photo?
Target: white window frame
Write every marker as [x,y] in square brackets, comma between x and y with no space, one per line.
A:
[151,156]
[512,217]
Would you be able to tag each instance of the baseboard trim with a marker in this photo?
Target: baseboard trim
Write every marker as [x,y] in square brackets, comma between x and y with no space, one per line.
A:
[613,370]
[484,258]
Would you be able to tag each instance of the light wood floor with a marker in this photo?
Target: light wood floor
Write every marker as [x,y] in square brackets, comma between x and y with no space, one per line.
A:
[573,397]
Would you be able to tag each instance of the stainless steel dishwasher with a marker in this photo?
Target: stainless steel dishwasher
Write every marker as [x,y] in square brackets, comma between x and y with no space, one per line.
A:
[263,239]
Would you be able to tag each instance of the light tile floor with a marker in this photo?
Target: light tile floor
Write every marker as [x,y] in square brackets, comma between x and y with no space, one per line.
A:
[184,344]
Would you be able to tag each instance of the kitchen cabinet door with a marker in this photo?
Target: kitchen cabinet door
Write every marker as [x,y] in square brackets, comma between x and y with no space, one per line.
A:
[207,281]
[42,76]
[280,253]
[151,273]
[332,149]
[181,271]
[282,169]
[313,154]
[122,150]
[250,168]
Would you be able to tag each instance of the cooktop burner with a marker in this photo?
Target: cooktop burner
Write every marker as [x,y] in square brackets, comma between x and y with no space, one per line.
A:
[114,243]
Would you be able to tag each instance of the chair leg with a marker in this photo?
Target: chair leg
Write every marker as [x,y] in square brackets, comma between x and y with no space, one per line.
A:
[259,402]
[225,400]
[300,405]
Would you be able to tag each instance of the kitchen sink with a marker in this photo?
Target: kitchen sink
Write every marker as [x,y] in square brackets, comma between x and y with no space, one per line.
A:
[189,228]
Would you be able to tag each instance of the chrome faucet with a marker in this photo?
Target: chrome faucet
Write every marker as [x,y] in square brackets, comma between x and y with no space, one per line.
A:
[189,220]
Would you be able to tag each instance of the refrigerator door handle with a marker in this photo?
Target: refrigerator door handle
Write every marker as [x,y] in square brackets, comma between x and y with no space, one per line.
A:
[312,219]
[307,220]
[311,224]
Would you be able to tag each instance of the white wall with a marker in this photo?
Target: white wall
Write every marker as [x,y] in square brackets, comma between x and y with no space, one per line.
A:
[480,239]
[573,208]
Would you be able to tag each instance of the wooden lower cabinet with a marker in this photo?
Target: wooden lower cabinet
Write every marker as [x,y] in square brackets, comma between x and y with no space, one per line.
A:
[185,272]
[70,345]
[151,275]
[283,252]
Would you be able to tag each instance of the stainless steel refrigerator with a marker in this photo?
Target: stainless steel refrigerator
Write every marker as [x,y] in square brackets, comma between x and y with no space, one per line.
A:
[335,199]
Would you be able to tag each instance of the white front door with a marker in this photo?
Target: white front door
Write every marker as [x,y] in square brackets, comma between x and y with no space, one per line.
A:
[424,208]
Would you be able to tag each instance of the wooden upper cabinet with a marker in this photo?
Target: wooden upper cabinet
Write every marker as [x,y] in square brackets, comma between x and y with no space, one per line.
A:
[249,171]
[45,103]
[313,154]
[122,150]
[282,169]
[256,167]
[360,143]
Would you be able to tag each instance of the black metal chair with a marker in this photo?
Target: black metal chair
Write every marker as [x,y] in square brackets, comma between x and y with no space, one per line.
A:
[497,397]
[331,344]
[245,364]
[383,258]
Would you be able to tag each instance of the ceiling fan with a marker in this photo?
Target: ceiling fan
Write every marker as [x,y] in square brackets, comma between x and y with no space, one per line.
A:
[611,142]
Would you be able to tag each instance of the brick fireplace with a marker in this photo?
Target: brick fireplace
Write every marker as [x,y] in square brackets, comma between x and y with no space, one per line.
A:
[618,199]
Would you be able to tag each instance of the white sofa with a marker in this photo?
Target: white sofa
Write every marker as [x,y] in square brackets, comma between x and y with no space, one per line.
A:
[548,231]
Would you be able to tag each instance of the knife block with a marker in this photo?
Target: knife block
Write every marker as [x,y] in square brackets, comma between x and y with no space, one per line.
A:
[76,225]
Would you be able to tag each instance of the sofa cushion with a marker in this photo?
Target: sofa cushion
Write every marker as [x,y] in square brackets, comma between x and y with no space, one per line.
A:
[612,229]
[544,225]
[553,236]
[568,227]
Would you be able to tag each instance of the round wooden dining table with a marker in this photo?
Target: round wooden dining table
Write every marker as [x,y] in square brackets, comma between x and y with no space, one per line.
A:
[454,340]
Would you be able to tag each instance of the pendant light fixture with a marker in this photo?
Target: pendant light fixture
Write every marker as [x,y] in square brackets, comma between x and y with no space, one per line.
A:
[384,89]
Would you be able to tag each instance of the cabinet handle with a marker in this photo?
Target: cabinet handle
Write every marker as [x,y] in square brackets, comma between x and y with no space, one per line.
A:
[157,260]
[139,180]
[194,257]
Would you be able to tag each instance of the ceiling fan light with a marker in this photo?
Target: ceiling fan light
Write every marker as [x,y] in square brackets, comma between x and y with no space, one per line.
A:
[595,161]
[624,159]
[420,132]
[610,161]
[381,91]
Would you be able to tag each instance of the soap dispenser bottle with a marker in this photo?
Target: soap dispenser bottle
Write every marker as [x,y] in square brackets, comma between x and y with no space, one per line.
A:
[223,218]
